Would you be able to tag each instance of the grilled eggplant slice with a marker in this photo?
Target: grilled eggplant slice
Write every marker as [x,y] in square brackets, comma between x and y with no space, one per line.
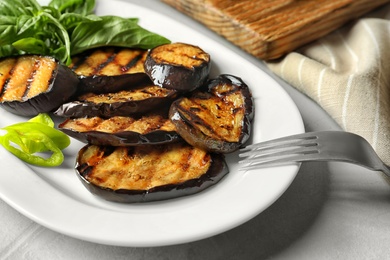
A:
[179,66]
[109,69]
[148,173]
[217,120]
[32,84]
[151,129]
[133,101]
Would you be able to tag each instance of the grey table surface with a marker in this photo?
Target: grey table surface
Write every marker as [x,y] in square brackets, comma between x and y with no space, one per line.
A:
[330,211]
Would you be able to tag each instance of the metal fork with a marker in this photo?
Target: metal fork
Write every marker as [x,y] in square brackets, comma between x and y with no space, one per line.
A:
[313,146]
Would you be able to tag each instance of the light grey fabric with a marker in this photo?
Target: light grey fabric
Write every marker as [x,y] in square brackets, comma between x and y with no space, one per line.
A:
[348,74]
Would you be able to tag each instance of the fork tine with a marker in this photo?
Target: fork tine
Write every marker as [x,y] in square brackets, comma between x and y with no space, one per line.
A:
[276,145]
[255,155]
[288,159]
[313,146]
[279,151]
[299,139]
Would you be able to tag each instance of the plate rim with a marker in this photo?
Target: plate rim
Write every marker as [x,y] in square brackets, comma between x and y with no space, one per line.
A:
[95,235]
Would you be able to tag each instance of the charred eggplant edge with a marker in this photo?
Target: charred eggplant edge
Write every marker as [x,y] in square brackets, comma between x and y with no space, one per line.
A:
[75,109]
[196,138]
[176,77]
[124,138]
[63,87]
[218,169]
[100,84]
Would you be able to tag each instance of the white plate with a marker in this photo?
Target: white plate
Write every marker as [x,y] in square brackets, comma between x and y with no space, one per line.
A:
[56,199]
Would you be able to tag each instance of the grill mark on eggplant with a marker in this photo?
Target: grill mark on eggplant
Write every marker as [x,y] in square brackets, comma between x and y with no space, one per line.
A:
[144,167]
[77,62]
[108,150]
[129,102]
[30,79]
[16,91]
[189,57]
[85,169]
[101,66]
[141,174]
[33,84]
[150,91]
[7,81]
[218,120]
[84,58]
[178,66]
[223,93]
[132,63]
[236,110]
[6,72]
[116,124]
[151,129]
[195,119]
[91,60]
[109,61]
[27,78]
[4,88]
[130,152]
[52,77]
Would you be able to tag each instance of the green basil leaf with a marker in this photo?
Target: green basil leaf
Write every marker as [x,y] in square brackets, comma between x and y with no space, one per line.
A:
[43,34]
[31,45]
[8,50]
[28,28]
[82,7]
[113,31]
[20,7]
[8,29]
[71,20]
[52,11]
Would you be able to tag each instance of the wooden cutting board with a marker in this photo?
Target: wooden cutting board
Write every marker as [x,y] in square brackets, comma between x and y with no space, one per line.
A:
[269,29]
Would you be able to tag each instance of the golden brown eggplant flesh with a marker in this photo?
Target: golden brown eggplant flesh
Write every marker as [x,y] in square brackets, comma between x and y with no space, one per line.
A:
[179,66]
[33,84]
[148,173]
[109,69]
[217,120]
[133,101]
[151,129]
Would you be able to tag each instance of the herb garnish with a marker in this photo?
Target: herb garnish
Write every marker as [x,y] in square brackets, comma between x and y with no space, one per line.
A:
[65,28]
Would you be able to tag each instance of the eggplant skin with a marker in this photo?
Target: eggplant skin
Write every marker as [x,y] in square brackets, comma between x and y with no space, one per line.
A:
[150,129]
[217,120]
[106,84]
[179,66]
[109,69]
[115,183]
[59,88]
[133,101]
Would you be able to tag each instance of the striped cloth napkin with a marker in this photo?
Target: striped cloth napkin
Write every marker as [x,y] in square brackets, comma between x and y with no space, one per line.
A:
[348,74]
